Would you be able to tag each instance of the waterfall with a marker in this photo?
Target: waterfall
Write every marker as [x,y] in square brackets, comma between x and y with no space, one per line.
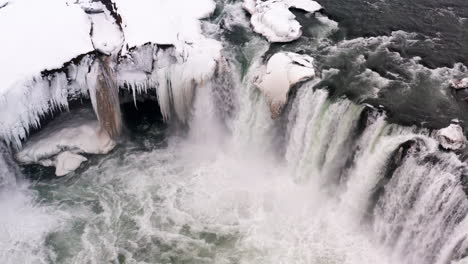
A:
[423,206]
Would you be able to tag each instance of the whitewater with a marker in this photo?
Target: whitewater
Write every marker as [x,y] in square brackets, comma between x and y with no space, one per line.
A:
[212,174]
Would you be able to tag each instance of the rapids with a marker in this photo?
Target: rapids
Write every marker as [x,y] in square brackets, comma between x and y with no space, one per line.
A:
[332,180]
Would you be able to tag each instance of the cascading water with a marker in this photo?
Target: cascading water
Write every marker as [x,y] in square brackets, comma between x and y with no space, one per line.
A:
[328,181]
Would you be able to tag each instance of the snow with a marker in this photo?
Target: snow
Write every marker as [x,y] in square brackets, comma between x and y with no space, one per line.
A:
[39,35]
[283,70]
[67,162]
[77,132]
[451,137]
[275,21]
[106,36]
[162,21]
[460,84]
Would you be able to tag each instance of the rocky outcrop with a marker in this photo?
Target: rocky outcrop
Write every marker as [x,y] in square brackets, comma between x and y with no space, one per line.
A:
[283,70]
[451,137]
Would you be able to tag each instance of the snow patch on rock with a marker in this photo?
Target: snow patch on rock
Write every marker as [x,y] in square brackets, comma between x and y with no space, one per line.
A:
[451,137]
[106,35]
[283,70]
[275,21]
[459,84]
[67,162]
[74,133]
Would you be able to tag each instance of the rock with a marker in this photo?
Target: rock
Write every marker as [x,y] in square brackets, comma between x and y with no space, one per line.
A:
[67,162]
[283,70]
[459,84]
[275,21]
[451,137]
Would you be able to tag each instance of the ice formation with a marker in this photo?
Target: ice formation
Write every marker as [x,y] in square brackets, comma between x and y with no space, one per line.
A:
[275,21]
[283,70]
[73,133]
[451,137]
[147,49]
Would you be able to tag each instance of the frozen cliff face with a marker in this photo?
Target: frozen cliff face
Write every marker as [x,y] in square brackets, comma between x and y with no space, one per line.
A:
[274,21]
[60,143]
[145,41]
[451,137]
[283,70]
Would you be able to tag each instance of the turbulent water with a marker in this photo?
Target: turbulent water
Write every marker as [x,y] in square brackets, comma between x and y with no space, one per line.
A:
[332,180]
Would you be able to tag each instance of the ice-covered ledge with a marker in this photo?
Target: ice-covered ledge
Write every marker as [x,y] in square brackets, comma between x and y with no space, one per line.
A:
[274,20]
[56,62]
[62,141]
[283,70]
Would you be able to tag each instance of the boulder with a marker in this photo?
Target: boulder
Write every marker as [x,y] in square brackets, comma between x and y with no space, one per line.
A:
[275,21]
[283,70]
[451,137]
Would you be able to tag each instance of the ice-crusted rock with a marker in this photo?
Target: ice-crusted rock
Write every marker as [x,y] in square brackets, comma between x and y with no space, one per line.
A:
[134,35]
[67,162]
[275,21]
[283,70]
[451,137]
[174,72]
[162,21]
[75,133]
[459,84]
[106,34]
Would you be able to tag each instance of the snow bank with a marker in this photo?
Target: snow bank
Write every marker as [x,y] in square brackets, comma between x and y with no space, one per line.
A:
[451,137]
[59,143]
[283,70]
[162,21]
[37,36]
[273,20]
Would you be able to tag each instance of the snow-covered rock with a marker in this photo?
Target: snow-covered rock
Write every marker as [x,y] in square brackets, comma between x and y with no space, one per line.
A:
[77,132]
[67,162]
[460,84]
[39,35]
[162,21]
[451,137]
[106,35]
[283,70]
[275,21]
